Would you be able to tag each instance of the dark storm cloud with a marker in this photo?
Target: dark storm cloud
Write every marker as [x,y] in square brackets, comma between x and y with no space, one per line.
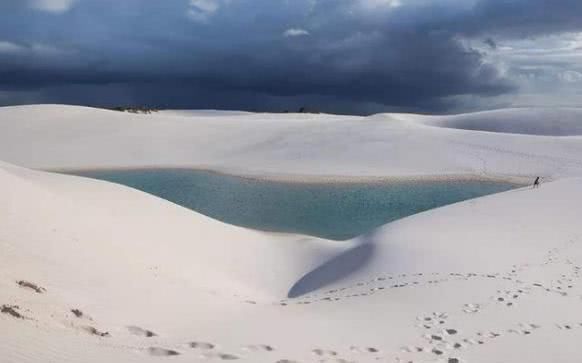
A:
[351,55]
[491,43]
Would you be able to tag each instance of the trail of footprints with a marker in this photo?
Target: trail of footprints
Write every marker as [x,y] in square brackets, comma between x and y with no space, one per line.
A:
[439,339]
[507,297]
[209,351]
[387,283]
[205,350]
[444,342]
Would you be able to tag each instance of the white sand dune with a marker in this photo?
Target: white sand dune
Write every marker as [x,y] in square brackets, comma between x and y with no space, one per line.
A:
[277,144]
[202,113]
[494,279]
[528,121]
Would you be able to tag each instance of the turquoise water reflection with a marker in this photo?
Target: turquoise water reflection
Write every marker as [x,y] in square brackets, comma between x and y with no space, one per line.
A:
[337,211]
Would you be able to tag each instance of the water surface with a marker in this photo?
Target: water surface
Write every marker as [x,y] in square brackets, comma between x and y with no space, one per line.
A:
[331,210]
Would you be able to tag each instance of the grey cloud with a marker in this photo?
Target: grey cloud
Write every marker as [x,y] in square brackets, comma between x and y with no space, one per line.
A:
[356,58]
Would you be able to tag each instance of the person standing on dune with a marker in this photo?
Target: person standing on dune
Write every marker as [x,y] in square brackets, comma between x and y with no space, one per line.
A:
[536,183]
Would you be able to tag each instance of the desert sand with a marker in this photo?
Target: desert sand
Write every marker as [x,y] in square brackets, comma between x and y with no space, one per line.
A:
[93,271]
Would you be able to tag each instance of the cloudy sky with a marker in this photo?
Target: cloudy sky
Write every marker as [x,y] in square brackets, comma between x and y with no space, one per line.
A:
[344,56]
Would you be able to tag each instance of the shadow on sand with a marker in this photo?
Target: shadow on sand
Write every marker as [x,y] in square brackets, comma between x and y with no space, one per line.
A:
[336,269]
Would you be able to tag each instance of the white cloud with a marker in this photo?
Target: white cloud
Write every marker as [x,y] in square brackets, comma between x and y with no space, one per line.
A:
[36,51]
[202,10]
[547,69]
[374,4]
[52,6]
[10,48]
[571,76]
[295,32]
[47,50]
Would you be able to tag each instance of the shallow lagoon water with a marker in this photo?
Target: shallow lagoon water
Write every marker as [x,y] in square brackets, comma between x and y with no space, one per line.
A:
[331,210]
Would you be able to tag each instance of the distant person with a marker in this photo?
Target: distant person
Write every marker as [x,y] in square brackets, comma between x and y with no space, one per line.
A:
[537,182]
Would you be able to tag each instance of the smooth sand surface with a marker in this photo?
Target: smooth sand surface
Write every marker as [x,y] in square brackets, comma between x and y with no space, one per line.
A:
[92,271]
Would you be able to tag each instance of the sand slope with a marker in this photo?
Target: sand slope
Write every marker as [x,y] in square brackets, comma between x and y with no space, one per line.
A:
[527,121]
[495,279]
[279,144]
[491,265]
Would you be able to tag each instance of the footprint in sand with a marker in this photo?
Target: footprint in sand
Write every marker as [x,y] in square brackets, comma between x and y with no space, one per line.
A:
[567,326]
[530,326]
[488,335]
[222,356]
[201,345]
[412,349]
[370,350]
[446,360]
[12,310]
[471,308]
[93,331]
[482,337]
[161,352]
[509,297]
[80,315]
[437,351]
[433,320]
[258,348]
[450,331]
[31,286]
[458,346]
[434,338]
[323,352]
[519,331]
[470,341]
[524,329]
[136,330]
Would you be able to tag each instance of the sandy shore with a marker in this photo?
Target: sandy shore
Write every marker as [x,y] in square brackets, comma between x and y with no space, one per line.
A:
[318,179]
